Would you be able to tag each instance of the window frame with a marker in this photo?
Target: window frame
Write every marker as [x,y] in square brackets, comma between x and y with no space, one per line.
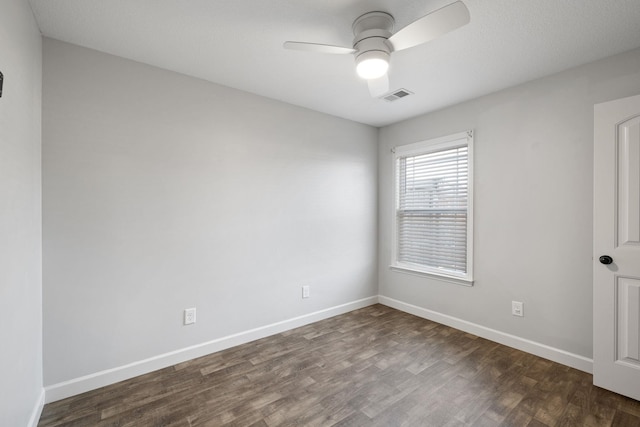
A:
[427,147]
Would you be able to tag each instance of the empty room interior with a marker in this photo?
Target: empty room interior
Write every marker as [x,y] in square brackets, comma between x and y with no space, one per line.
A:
[285,212]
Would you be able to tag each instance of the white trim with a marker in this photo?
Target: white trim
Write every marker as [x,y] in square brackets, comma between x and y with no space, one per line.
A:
[551,353]
[471,191]
[37,410]
[436,276]
[434,144]
[100,379]
[110,376]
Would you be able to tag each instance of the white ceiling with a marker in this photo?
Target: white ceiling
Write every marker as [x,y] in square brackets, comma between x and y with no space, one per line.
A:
[238,43]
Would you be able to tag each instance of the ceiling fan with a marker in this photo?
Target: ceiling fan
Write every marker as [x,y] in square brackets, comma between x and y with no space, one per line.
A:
[374,41]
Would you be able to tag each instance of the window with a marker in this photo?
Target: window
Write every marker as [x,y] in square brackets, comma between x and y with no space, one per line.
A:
[433,208]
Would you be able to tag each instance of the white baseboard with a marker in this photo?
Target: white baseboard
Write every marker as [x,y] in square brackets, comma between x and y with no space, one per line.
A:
[560,356]
[37,410]
[110,376]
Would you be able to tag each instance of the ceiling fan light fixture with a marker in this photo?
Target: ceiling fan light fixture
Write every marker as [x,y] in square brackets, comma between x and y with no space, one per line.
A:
[372,64]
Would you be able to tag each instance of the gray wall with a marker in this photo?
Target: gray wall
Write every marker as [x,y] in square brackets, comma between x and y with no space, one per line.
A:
[20,215]
[533,204]
[163,192]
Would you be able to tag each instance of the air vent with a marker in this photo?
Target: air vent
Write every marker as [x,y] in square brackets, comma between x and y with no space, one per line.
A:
[396,94]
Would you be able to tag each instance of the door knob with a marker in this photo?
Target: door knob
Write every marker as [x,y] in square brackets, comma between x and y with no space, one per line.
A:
[606,259]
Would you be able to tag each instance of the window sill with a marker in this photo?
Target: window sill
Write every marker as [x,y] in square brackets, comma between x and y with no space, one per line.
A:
[445,278]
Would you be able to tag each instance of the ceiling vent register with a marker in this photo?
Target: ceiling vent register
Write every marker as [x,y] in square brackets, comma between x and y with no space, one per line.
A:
[395,95]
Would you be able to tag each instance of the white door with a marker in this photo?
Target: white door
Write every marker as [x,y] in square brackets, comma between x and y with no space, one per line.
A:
[616,234]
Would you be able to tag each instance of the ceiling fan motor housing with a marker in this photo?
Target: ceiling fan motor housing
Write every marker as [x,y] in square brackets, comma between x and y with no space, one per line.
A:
[371,32]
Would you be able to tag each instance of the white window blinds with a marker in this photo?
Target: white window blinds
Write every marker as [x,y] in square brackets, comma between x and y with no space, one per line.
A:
[432,209]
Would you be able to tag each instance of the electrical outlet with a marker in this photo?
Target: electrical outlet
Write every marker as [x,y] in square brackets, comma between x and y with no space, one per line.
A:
[517,308]
[306,291]
[189,316]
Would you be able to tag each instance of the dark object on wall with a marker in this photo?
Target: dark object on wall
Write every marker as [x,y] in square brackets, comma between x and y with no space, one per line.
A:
[1,80]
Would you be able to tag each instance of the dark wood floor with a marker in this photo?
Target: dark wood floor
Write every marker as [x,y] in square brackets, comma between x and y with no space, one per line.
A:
[372,367]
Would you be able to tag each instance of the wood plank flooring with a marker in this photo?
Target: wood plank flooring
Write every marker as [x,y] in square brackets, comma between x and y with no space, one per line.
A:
[372,367]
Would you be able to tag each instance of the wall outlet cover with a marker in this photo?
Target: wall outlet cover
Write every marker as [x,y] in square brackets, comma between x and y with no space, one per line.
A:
[189,316]
[517,308]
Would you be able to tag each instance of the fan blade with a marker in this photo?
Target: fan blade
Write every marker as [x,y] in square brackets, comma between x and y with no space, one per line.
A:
[379,86]
[316,47]
[430,26]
